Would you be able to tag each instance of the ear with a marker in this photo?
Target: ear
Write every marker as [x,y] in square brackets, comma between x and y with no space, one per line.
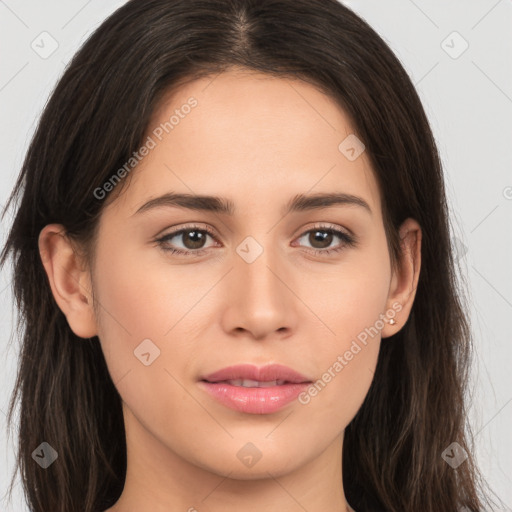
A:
[404,281]
[69,279]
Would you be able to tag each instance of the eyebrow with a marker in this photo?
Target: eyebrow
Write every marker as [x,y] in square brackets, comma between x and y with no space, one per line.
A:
[222,205]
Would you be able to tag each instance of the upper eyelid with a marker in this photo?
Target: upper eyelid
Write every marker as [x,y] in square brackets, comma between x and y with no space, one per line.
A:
[175,231]
[328,227]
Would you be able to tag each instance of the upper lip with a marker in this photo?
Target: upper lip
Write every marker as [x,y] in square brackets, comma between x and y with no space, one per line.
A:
[267,373]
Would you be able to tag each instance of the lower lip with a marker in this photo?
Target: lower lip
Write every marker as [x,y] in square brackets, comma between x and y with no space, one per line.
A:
[254,400]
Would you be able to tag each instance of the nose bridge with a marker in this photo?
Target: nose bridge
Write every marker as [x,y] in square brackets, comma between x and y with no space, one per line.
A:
[256,267]
[261,302]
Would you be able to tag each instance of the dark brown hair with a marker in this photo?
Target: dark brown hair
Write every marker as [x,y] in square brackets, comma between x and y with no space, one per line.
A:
[98,115]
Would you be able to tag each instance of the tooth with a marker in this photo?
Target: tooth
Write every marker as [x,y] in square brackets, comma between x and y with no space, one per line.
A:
[268,384]
[248,383]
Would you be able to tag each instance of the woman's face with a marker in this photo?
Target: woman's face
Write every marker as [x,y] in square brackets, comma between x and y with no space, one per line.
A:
[252,291]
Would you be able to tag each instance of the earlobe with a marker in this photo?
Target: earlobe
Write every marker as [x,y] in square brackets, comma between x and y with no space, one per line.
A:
[405,279]
[69,280]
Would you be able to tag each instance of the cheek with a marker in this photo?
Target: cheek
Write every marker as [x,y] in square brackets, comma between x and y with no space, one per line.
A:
[140,301]
[131,300]
[350,306]
[353,296]
[143,297]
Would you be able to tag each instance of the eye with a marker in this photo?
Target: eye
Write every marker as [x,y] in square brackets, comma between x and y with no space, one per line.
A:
[321,237]
[192,237]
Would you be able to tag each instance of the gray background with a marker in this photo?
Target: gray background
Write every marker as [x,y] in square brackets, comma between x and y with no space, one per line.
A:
[468,99]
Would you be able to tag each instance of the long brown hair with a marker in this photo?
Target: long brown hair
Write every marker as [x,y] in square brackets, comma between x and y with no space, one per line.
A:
[98,115]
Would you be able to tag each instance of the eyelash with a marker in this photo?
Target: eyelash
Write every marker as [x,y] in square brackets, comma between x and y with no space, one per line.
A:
[347,240]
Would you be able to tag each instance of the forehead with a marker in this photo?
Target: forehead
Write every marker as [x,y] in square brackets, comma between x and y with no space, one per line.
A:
[251,137]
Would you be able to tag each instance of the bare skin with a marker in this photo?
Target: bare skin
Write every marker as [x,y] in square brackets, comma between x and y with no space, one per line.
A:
[257,141]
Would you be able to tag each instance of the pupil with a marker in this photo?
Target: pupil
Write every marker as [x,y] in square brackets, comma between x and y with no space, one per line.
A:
[196,244]
[321,236]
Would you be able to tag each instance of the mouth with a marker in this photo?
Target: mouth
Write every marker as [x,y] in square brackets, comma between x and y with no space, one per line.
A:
[253,390]
[249,383]
[250,375]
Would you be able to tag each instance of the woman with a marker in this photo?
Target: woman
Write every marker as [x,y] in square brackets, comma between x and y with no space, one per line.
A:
[234,272]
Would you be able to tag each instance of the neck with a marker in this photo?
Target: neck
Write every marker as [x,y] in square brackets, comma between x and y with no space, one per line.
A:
[159,480]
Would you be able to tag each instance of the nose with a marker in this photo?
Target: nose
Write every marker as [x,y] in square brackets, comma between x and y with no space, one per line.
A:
[260,299]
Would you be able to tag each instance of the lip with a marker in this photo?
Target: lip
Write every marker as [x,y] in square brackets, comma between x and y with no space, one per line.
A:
[264,400]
